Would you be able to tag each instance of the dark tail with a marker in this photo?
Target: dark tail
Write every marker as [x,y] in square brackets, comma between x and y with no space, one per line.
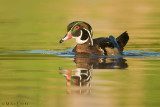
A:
[122,40]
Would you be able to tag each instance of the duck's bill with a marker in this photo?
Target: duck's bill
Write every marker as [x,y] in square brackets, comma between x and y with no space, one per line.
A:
[66,37]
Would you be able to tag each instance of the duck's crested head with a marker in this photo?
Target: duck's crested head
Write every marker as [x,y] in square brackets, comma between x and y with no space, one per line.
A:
[79,25]
[79,30]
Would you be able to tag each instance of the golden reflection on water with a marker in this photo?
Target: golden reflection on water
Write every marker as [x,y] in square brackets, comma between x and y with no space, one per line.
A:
[105,81]
[84,80]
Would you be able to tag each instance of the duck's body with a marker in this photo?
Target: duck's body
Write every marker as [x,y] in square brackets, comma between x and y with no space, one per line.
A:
[82,32]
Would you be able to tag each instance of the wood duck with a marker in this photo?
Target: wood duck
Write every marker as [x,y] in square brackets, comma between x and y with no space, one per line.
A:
[82,32]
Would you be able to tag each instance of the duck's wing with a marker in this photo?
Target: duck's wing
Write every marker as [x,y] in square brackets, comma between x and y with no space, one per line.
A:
[112,45]
[105,44]
[122,40]
[102,42]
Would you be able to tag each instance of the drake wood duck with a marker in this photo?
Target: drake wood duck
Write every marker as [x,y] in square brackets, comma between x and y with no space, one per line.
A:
[83,34]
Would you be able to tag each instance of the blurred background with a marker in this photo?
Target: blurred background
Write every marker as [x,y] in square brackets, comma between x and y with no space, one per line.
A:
[38,79]
[40,24]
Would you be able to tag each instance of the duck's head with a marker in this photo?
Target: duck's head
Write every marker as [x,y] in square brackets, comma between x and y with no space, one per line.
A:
[79,30]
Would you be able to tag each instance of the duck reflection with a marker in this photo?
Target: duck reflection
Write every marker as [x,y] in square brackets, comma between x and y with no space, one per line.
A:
[85,64]
[87,61]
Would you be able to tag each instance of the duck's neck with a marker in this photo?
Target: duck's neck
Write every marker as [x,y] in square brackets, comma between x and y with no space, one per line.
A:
[85,37]
[83,48]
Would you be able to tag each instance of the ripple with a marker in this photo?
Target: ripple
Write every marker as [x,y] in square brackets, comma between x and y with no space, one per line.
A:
[69,53]
[139,53]
[58,53]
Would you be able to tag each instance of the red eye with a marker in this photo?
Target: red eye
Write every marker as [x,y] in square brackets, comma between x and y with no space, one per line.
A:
[76,27]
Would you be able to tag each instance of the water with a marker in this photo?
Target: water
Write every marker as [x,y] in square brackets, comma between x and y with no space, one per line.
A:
[69,53]
[36,71]
[44,78]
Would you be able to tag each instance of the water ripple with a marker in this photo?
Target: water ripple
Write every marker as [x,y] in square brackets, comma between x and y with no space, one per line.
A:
[139,53]
[58,53]
[69,53]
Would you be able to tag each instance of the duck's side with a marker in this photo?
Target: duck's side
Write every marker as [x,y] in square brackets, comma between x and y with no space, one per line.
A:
[104,46]
[86,48]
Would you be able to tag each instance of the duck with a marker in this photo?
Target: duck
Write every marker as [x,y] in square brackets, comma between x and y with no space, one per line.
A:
[82,32]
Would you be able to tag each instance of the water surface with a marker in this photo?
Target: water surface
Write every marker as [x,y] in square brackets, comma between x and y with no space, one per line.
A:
[44,78]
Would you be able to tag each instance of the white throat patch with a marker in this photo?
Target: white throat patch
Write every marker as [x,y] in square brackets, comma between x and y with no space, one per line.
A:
[78,39]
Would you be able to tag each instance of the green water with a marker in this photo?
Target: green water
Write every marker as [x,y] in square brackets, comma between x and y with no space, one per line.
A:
[48,80]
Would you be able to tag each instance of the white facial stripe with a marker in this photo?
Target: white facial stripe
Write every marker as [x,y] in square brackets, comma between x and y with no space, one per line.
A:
[74,26]
[91,32]
[78,39]
[89,36]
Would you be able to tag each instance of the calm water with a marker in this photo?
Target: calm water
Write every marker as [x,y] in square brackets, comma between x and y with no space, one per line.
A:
[39,78]
[36,71]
